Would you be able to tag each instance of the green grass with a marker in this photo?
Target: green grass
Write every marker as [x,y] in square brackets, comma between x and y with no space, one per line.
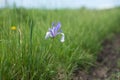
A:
[27,55]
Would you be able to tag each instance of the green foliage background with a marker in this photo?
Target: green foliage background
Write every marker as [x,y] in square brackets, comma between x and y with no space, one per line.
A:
[25,56]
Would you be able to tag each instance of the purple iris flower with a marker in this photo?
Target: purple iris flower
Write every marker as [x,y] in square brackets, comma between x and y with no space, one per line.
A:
[54,31]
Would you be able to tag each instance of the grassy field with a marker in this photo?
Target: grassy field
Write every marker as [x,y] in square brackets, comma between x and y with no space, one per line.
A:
[26,55]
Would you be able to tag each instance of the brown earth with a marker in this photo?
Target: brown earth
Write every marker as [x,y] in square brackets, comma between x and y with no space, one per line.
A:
[107,66]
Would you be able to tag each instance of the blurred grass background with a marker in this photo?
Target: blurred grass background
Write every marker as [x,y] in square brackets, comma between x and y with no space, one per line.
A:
[84,32]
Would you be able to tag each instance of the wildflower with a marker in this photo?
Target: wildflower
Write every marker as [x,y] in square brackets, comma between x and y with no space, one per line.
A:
[54,31]
[13,28]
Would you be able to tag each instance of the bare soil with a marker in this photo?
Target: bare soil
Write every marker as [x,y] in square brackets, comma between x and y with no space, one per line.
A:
[107,66]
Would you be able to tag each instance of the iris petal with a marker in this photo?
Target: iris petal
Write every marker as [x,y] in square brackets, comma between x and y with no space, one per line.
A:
[63,37]
[47,35]
[52,32]
[57,28]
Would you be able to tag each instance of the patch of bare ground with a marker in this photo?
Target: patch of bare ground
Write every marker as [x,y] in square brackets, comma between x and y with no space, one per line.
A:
[107,66]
